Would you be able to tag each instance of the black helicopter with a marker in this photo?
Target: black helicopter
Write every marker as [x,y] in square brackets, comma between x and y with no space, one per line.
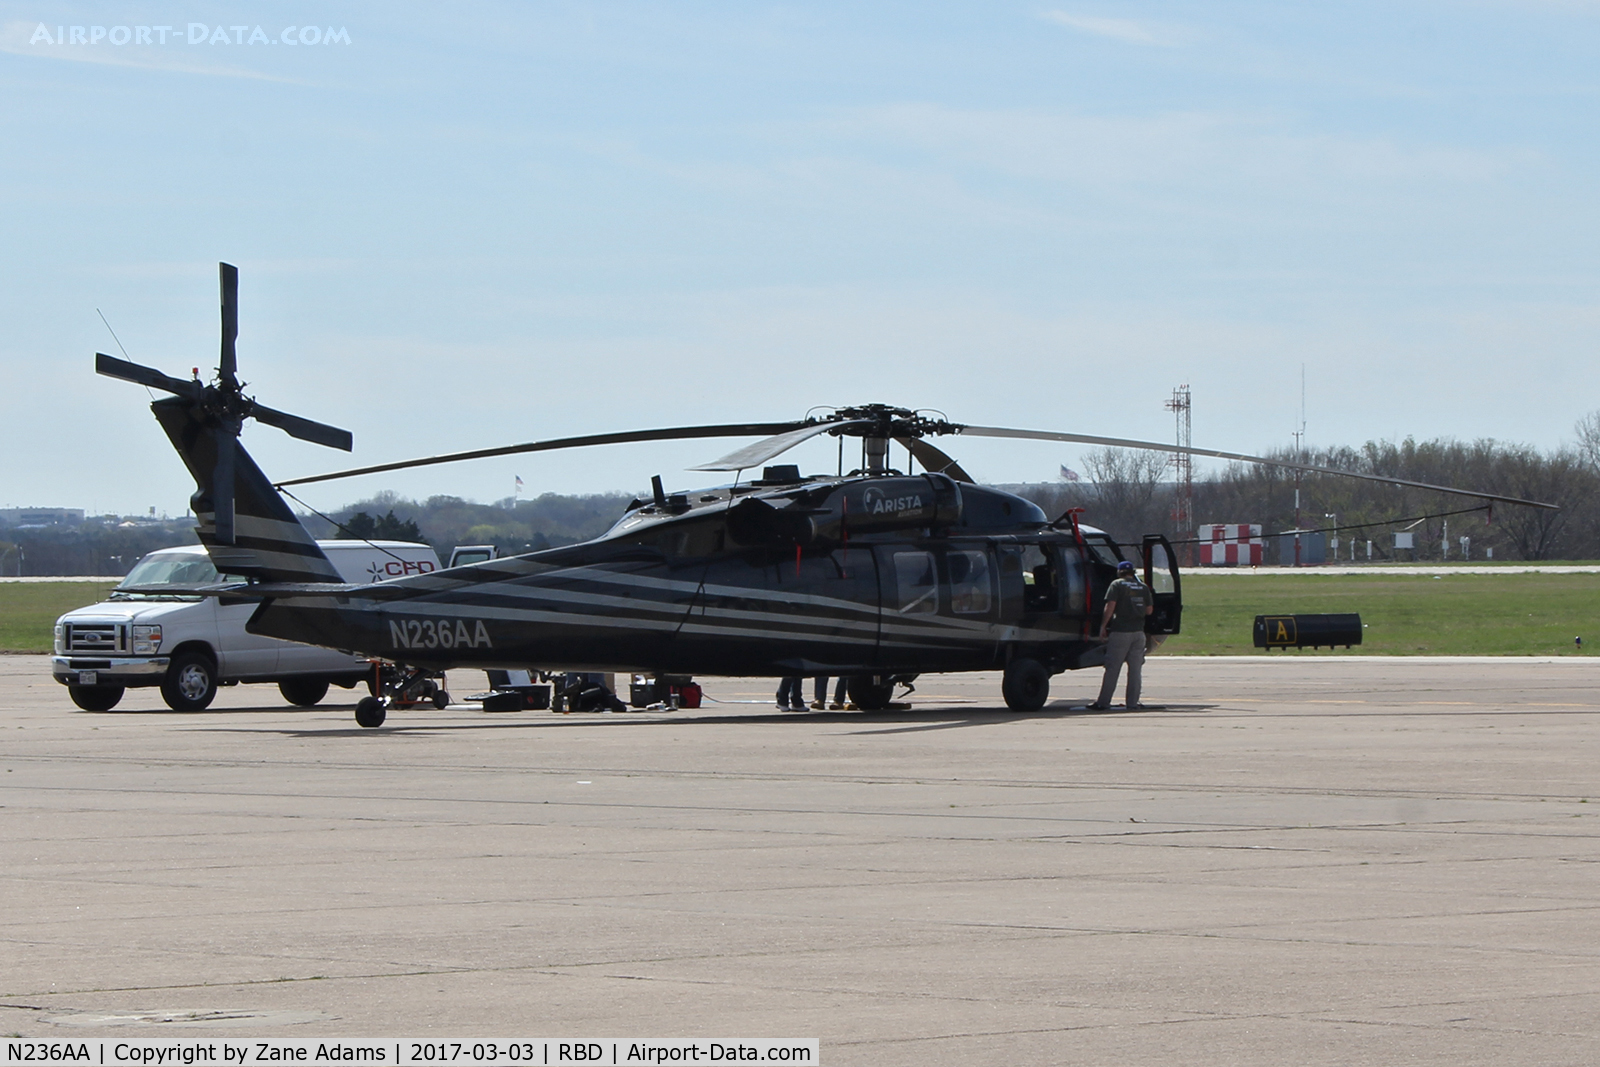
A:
[875,575]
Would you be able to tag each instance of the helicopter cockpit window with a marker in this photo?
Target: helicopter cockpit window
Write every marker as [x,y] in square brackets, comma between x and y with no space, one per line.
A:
[1072,567]
[1101,551]
[969,581]
[917,582]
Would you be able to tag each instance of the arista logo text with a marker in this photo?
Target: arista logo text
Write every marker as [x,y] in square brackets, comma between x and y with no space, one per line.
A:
[398,568]
[877,503]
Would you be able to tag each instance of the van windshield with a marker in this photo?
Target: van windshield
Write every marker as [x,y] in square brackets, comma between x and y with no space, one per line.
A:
[178,571]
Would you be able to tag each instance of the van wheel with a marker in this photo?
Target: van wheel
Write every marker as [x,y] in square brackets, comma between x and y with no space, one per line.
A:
[1026,685]
[868,694]
[303,692]
[191,682]
[95,697]
[370,713]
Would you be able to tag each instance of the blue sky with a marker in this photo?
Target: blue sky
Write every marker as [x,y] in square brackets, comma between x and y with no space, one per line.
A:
[480,224]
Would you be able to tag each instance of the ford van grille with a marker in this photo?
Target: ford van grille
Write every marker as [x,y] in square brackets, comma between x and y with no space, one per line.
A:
[96,637]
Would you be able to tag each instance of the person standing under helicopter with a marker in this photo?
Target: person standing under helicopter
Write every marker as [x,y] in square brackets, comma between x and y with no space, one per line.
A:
[791,696]
[820,700]
[1128,601]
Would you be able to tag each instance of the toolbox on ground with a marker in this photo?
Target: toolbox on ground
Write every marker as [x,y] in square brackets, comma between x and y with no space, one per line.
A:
[516,691]
[677,689]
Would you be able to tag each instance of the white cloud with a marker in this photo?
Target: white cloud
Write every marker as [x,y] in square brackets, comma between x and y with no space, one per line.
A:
[1191,150]
[1125,30]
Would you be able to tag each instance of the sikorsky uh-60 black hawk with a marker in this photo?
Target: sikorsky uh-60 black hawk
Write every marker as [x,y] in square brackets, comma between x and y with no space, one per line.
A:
[876,575]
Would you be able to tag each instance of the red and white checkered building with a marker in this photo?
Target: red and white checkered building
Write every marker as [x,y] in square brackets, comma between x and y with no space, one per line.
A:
[1230,544]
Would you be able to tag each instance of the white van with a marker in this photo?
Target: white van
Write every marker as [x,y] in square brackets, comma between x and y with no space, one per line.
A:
[189,645]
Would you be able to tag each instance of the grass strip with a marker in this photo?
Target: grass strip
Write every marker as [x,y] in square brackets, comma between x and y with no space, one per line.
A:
[28,610]
[1403,615]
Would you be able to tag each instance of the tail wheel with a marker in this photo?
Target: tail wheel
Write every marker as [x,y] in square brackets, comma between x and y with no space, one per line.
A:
[191,682]
[370,713]
[1026,685]
[95,697]
[868,693]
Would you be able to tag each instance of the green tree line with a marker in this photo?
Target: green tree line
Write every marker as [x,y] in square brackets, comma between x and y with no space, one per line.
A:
[1129,493]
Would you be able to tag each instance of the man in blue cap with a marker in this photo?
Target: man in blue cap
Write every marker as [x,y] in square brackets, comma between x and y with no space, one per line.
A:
[1128,601]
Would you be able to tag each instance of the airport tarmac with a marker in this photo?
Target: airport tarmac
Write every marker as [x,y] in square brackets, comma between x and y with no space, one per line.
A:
[1293,861]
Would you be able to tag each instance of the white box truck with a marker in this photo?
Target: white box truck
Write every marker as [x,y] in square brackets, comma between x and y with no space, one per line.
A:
[189,645]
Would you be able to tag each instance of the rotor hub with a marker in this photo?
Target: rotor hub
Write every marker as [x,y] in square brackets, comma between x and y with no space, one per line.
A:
[885,422]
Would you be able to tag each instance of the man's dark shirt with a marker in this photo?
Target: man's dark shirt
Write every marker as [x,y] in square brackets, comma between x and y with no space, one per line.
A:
[1131,597]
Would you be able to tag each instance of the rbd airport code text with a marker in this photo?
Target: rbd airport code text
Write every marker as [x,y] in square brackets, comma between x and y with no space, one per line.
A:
[610,1052]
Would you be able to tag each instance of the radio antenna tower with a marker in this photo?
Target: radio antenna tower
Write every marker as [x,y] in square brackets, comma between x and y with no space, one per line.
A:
[1182,464]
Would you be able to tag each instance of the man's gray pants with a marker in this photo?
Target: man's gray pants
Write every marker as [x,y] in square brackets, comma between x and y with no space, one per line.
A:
[1123,648]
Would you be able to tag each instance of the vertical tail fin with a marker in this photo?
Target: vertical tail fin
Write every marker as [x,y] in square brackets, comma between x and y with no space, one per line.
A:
[269,543]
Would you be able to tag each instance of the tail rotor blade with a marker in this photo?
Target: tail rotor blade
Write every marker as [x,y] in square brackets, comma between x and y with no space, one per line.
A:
[222,485]
[227,368]
[112,367]
[305,429]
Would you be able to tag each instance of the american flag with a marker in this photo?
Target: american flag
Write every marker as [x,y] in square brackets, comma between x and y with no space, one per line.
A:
[1069,475]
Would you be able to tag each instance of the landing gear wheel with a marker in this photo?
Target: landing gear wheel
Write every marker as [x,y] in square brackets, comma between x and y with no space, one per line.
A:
[1026,685]
[95,697]
[370,713]
[869,694]
[303,692]
[441,699]
[191,682]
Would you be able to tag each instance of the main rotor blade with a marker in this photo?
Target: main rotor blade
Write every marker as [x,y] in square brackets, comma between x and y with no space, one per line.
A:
[112,367]
[228,276]
[305,429]
[933,459]
[757,454]
[1118,442]
[671,433]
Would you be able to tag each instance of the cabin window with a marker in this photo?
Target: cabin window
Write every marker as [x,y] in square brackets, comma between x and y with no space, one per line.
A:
[917,582]
[1040,589]
[1161,579]
[969,581]
[690,541]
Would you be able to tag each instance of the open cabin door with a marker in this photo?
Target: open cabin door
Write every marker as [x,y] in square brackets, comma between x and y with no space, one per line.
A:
[1161,575]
